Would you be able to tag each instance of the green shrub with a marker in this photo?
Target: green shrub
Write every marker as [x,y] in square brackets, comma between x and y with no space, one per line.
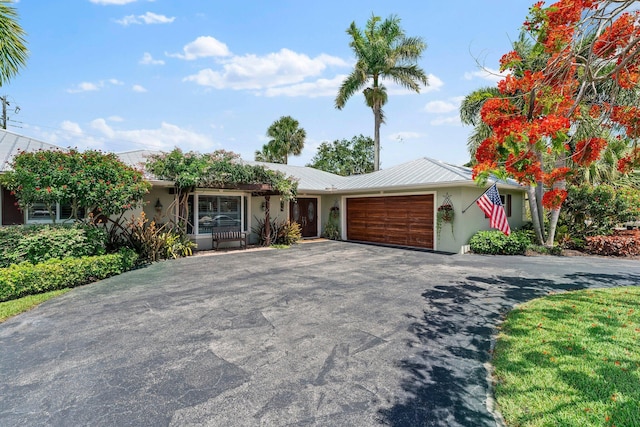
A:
[23,279]
[155,242]
[39,243]
[280,233]
[497,243]
[331,231]
[289,234]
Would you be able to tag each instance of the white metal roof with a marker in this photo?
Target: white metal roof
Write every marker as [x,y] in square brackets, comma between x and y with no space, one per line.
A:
[422,172]
[12,143]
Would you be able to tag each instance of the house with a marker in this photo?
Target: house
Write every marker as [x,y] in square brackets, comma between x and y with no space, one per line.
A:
[394,206]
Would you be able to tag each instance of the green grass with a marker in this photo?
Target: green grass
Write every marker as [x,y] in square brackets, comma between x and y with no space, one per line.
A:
[11,308]
[571,359]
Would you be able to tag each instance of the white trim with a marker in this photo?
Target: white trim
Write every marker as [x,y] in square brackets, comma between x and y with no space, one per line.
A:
[343,214]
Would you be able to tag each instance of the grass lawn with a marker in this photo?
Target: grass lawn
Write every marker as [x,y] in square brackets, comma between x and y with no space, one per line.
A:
[17,306]
[571,359]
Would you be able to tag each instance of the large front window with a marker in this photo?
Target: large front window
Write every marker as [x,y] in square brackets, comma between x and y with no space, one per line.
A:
[215,213]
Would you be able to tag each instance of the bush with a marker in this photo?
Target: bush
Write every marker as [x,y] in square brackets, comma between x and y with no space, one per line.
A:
[23,279]
[289,234]
[621,244]
[497,243]
[153,242]
[284,233]
[36,244]
[331,231]
[602,206]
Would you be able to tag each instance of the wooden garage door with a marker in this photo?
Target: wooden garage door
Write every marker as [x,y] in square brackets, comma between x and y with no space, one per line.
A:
[396,220]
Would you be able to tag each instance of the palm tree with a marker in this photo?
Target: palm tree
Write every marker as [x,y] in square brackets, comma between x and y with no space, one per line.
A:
[382,51]
[470,115]
[13,49]
[286,138]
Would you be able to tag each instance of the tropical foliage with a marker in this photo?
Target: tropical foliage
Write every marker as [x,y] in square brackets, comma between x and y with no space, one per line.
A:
[382,52]
[555,120]
[96,181]
[220,169]
[13,49]
[286,138]
[345,157]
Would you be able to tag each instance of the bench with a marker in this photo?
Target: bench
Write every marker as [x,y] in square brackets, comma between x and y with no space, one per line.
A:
[228,235]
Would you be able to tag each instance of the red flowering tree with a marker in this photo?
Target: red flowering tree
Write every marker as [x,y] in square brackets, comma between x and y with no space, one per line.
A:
[551,120]
[93,180]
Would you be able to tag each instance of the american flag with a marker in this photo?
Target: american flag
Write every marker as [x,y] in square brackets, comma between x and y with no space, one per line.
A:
[491,205]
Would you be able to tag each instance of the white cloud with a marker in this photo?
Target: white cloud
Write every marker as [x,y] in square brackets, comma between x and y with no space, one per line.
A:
[84,87]
[321,87]
[166,137]
[115,119]
[202,47]
[260,72]
[147,59]
[69,126]
[446,120]
[401,136]
[440,107]
[435,83]
[138,88]
[92,87]
[486,74]
[147,18]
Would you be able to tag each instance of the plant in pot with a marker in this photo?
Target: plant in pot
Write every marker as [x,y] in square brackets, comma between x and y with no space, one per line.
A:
[445,213]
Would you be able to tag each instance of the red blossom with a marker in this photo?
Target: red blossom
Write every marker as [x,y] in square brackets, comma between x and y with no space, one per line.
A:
[588,150]
[554,198]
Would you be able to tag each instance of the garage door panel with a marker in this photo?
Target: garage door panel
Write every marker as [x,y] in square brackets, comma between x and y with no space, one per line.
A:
[399,220]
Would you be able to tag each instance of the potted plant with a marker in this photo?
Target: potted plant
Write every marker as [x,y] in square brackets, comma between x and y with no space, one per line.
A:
[445,213]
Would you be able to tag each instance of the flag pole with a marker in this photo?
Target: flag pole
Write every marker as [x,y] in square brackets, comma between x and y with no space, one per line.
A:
[471,204]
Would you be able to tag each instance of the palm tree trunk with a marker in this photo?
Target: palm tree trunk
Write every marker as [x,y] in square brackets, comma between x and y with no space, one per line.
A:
[376,138]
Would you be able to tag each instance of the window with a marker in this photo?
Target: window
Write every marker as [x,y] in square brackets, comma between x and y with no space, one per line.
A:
[506,202]
[38,212]
[214,213]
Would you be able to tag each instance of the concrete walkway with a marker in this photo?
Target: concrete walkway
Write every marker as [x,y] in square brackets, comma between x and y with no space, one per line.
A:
[327,334]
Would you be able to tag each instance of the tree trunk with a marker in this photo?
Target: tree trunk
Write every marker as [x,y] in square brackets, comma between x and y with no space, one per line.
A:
[267,222]
[535,217]
[553,222]
[376,138]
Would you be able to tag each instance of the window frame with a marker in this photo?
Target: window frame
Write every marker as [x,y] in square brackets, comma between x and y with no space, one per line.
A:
[195,211]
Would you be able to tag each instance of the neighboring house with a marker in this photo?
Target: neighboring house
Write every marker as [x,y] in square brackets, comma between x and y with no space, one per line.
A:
[395,206]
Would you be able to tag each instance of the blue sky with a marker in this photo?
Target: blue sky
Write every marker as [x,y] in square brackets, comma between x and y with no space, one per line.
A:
[122,75]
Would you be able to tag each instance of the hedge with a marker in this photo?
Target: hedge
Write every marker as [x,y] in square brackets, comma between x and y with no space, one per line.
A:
[622,243]
[497,243]
[23,279]
[40,243]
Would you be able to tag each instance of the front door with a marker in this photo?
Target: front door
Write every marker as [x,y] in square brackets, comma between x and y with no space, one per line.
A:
[304,211]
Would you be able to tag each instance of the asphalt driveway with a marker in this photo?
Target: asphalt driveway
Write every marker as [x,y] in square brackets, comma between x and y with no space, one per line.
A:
[328,334]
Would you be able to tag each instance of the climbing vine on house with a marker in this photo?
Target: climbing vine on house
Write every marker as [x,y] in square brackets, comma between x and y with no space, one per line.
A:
[553,120]
[220,169]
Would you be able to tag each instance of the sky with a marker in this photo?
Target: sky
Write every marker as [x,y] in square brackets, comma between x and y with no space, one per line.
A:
[122,75]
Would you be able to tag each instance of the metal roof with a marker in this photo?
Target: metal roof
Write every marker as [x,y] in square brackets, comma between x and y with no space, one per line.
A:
[309,179]
[422,172]
[12,143]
